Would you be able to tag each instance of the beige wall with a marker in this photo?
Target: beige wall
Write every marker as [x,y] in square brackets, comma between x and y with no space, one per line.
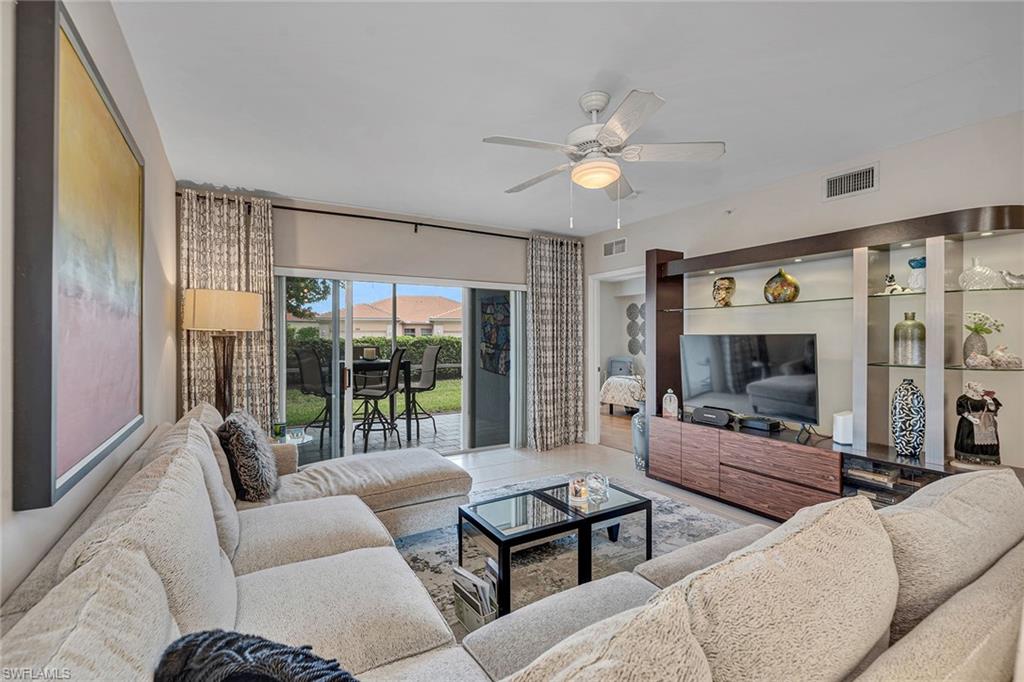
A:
[340,244]
[977,165]
[26,536]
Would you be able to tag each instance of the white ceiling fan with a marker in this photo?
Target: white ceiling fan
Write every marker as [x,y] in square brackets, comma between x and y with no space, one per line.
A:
[595,149]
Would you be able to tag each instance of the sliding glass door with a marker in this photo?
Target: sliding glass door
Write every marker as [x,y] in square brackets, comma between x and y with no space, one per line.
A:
[315,400]
[458,385]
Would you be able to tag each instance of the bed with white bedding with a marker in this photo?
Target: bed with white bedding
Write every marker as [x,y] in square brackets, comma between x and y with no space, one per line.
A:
[620,390]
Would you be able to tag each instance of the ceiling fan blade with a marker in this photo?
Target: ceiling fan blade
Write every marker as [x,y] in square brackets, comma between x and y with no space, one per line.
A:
[533,144]
[620,190]
[634,111]
[674,151]
[540,178]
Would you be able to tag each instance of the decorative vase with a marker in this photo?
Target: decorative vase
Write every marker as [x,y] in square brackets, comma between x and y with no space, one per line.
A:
[918,280]
[979,276]
[908,341]
[722,291]
[975,343]
[781,288]
[907,416]
[639,424]
[670,405]
[1011,280]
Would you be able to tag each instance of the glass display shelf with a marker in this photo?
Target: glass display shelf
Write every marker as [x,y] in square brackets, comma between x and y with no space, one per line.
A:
[893,364]
[964,368]
[762,303]
[979,291]
[900,295]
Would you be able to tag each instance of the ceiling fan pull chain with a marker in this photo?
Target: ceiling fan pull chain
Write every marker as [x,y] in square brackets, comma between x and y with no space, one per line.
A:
[618,204]
[571,210]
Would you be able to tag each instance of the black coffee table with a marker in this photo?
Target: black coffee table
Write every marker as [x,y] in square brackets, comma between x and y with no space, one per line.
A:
[535,515]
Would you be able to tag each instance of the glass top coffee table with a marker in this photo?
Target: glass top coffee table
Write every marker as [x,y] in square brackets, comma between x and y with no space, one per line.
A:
[531,516]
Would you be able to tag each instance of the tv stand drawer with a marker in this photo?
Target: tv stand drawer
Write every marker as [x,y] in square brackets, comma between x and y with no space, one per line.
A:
[769,496]
[799,464]
[665,449]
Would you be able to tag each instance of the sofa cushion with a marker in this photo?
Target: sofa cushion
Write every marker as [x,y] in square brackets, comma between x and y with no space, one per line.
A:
[516,640]
[449,664]
[310,529]
[107,621]
[190,437]
[365,608]
[807,601]
[164,511]
[222,461]
[253,466]
[672,567]
[651,642]
[384,480]
[45,576]
[972,636]
[205,414]
[947,534]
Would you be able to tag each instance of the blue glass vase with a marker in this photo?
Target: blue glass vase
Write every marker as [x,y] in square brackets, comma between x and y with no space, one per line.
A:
[639,423]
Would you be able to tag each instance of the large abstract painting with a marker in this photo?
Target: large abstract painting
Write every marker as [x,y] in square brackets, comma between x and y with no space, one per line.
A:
[495,334]
[88,360]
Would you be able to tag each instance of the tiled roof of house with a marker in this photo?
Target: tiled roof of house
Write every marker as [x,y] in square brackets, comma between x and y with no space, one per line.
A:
[409,309]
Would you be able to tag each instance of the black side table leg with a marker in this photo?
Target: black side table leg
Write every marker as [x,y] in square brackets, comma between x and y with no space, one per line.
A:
[650,539]
[504,580]
[613,533]
[460,537]
[584,560]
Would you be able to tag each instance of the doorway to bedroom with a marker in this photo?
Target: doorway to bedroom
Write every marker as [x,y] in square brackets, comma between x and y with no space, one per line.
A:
[618,345]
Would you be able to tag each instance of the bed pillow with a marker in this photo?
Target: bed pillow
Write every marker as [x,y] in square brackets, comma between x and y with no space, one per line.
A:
[252,462]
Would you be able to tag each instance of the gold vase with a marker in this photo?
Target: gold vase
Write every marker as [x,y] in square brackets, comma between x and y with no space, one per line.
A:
[781,288]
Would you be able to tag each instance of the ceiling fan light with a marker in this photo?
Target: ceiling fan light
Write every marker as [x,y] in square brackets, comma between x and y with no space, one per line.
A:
[596,173]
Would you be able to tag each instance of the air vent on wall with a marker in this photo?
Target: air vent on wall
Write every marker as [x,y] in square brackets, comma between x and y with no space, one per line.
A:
[851,182]
[614,248]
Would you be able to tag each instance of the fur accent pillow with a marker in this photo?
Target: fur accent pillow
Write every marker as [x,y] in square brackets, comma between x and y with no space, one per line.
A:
[231,656]
[253,466]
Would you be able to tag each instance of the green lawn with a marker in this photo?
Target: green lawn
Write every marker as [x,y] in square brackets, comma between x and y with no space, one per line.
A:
[446,397]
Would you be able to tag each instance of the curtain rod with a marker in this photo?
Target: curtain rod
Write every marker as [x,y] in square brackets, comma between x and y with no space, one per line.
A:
[415,224]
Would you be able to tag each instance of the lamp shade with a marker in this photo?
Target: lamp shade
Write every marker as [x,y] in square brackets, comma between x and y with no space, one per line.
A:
[222,310]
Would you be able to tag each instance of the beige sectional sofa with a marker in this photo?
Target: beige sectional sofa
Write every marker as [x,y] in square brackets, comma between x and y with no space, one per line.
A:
[929,589]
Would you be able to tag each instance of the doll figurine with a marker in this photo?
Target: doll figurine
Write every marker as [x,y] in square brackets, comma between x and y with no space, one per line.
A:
[977,435]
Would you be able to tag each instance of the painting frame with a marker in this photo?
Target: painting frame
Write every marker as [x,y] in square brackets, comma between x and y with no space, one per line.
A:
[38,477]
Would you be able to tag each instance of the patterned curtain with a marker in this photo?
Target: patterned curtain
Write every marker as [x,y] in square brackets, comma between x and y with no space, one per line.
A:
[226,241]
[554,333]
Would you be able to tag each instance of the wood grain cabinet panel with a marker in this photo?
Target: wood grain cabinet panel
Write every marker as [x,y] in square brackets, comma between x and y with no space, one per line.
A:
[800,464]
[768,496]
[665,442]
[699,459]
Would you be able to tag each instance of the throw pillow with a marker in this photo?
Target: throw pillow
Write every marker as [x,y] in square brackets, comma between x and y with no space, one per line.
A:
[947,534]
[253,466]
[234,657]
[808,601]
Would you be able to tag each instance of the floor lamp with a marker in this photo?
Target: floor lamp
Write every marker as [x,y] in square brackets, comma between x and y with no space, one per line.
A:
[224,313]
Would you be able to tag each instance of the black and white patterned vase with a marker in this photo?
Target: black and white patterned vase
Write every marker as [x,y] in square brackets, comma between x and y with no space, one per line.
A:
[908,419]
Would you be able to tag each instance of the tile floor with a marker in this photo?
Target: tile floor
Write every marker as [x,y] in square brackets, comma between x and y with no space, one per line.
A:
[502,466]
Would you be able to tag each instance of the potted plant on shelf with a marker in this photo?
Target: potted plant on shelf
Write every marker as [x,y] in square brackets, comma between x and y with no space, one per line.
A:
[979,324]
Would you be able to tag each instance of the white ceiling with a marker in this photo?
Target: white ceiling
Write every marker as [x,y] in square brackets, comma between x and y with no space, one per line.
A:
[383,105]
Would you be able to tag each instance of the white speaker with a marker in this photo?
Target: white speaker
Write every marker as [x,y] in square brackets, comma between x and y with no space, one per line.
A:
[842,428]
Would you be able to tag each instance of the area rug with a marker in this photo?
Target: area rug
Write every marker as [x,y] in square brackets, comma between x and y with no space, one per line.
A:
[551,567]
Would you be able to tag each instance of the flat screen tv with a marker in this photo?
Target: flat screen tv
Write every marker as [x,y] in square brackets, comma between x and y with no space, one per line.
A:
[771,375]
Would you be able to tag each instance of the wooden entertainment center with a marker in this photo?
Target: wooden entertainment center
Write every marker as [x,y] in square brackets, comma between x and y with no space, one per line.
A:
[842,301]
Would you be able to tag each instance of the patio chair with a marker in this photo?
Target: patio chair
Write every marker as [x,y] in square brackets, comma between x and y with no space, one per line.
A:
[371,397]
[427,381]
[312,382]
